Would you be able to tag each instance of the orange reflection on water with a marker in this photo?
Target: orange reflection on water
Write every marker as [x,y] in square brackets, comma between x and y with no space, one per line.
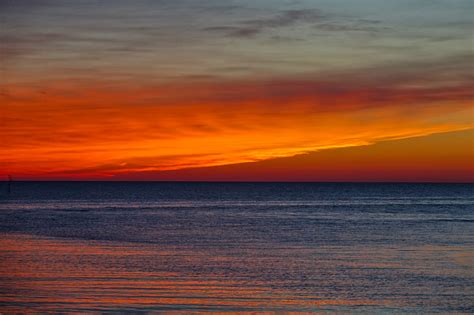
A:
[41,274]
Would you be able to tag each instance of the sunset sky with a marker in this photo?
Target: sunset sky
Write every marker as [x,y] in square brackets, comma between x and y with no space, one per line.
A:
[312,90]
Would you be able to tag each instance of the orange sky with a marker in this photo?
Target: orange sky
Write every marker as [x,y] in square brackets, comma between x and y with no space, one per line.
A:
[418,159]
[86,97]
[101,132]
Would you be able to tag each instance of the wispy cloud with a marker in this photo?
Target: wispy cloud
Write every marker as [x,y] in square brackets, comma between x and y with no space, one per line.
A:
[250,28]
[351,25]
[312,17]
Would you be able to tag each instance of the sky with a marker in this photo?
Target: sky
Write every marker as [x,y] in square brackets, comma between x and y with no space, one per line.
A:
[313,90]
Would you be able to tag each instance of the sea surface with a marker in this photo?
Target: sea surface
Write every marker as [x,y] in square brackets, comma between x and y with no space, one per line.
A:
[236,247]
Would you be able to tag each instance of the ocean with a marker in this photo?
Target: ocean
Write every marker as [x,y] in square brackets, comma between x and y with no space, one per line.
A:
[236,247]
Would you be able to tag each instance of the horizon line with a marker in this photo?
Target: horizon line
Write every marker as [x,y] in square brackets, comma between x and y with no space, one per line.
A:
[235,181]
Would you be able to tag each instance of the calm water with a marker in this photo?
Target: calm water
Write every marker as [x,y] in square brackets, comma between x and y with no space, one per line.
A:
[287,247]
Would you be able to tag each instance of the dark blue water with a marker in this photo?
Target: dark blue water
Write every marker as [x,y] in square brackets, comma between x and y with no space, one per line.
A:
[95,246]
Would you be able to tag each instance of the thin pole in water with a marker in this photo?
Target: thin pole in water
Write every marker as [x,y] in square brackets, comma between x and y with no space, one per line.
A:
[9,186]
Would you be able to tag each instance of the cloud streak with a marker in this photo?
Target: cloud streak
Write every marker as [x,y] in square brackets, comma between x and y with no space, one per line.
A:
[251,28]
[99,129]
[311,17]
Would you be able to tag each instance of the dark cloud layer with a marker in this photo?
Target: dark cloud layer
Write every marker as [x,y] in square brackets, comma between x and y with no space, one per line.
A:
[250,28]
[313,17]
